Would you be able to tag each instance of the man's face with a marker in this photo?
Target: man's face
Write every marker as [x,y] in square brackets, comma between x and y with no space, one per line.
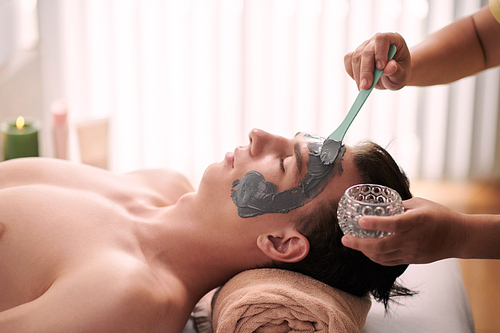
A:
[280,165]
[281,161]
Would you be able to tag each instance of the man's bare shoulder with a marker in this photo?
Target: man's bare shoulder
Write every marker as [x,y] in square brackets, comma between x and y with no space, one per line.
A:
[163,181]
[117,293]
[166,184]
[138,295]
[43,170]
[25,170]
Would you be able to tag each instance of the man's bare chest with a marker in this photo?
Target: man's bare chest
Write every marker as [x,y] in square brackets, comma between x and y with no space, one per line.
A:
[49,230]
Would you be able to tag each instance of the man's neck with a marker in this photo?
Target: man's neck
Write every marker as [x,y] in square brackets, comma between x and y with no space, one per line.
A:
[186,243]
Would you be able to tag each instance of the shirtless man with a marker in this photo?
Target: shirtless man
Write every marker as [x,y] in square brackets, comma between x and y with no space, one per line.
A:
[86,250]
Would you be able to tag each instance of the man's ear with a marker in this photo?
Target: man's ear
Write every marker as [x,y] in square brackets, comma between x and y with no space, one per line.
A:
[290,246]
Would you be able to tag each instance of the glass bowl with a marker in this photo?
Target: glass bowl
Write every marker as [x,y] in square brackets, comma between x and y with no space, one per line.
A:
[367,199]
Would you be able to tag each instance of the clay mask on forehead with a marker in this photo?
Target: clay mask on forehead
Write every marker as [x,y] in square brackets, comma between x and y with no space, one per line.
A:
[255,196]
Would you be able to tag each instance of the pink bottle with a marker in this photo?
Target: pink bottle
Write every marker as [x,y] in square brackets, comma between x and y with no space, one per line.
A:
[59,111]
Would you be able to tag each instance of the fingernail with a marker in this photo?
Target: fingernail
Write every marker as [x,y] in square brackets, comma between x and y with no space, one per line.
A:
[362,223]
[379,65]
[364,83]
[346,241]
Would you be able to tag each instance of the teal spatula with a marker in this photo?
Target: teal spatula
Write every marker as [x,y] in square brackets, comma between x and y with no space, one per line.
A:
[332,144]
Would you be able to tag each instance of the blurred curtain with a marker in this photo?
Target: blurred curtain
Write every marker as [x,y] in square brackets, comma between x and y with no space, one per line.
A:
[183,81]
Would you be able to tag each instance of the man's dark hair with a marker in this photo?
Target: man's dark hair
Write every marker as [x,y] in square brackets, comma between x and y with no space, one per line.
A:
[339,266]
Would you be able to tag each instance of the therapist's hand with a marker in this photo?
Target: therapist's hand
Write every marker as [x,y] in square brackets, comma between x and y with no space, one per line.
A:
[360,64]
[426,232]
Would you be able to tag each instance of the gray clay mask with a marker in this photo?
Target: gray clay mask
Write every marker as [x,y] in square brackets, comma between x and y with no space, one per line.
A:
[255,196]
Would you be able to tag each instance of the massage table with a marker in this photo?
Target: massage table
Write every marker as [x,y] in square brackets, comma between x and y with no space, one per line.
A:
[441,304]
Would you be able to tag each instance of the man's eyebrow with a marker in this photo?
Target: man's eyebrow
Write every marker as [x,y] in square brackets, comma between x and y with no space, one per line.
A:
[298,157]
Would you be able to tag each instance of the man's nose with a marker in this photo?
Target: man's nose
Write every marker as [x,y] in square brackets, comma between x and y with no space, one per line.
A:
[262,141]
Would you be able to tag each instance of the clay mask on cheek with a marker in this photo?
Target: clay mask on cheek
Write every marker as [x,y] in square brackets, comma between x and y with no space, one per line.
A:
[255,196]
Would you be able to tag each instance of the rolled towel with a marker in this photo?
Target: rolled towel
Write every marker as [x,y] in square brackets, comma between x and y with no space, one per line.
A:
[279,301]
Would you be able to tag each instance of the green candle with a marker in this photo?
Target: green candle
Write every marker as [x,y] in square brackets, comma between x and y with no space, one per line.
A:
[20,138]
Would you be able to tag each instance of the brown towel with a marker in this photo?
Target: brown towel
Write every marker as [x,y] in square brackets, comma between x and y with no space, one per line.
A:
[279,301]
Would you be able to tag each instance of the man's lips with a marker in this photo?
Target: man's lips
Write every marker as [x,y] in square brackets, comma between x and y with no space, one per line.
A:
[230,159]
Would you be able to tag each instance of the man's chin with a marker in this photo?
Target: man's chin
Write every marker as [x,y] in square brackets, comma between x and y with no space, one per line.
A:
[215,179]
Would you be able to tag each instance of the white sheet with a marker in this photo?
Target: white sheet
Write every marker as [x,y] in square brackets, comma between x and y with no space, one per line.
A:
[442,304]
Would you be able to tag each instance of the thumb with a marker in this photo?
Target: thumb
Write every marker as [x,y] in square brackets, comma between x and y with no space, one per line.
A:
[394,76]
[350,241]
